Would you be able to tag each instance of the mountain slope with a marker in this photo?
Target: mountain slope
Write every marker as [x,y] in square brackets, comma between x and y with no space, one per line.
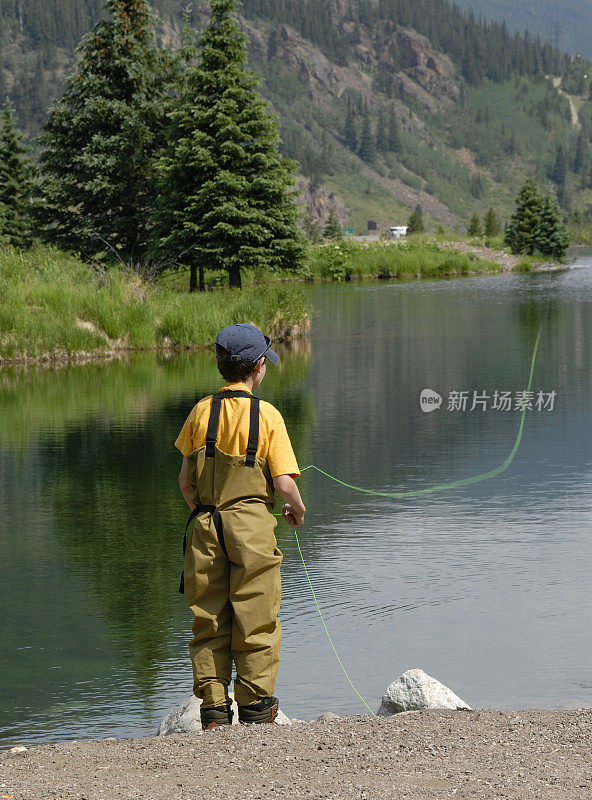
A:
[567,23]
[380,115]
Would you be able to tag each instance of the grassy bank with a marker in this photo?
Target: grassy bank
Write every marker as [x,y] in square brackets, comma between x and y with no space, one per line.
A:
[409,259]
[416,257]
[53,305]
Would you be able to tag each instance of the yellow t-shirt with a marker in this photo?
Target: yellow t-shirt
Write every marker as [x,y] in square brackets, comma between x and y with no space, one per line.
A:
[233,432]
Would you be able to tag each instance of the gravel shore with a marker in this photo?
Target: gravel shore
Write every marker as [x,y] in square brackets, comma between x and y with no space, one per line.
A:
[427,754]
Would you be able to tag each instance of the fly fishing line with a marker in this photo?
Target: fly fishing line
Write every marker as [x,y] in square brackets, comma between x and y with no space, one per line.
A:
[492,473]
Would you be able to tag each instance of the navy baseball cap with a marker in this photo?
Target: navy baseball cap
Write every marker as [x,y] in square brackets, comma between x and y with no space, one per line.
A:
[244,342]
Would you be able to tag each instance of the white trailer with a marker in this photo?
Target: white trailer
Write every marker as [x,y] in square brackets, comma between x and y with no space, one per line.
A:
[398,231]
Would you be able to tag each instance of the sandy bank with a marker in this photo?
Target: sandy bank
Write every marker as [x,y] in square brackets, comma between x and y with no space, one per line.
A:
[428,754]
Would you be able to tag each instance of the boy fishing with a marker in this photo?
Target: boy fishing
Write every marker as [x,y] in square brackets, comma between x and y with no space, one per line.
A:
[236,452]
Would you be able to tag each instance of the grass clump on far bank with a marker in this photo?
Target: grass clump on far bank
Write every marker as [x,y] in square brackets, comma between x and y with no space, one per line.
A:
[52,304]
[347,260]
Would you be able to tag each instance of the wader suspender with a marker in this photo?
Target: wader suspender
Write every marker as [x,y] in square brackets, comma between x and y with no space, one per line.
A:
[211,438]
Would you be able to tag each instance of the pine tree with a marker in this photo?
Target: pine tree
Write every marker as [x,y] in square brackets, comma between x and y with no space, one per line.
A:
[415,223]
[101,138]
[560,169]
[312,230]
[522,230]
[475,228]
[15,183]
[227,199]
[395,145]
[367,141]
[382,133]
[581,157]
[349,131]
[478,186]
[491,224]
[332,229]
[552,238]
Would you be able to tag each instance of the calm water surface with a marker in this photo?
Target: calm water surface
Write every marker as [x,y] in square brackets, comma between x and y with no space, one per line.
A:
[486,587]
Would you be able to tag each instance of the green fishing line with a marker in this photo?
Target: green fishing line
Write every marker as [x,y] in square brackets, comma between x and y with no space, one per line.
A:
[442,487]
[327,630]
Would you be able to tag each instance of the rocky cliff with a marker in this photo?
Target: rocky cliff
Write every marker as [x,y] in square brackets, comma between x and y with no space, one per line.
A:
[359,70]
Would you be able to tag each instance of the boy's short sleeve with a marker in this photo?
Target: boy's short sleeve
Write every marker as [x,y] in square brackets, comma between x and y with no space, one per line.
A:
[185,439]
[280,455]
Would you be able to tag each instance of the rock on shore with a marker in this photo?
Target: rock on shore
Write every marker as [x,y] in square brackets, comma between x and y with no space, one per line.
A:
[416,691]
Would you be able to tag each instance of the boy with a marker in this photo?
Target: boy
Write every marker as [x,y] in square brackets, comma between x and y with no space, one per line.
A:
[236,451]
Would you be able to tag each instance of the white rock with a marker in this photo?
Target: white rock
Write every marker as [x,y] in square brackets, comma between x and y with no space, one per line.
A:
[415,691]
[282,719]
[186,719]
[18,749]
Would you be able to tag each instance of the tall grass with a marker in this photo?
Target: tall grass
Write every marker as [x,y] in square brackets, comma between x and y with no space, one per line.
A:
[53,304]
[346,260]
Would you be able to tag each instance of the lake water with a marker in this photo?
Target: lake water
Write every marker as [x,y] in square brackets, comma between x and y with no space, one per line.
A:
[485,587]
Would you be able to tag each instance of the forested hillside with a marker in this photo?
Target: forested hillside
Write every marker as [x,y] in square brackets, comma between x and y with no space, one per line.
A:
[567,23]
[384,105]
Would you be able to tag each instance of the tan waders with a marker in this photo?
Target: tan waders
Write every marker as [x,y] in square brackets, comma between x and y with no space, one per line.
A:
[232,570]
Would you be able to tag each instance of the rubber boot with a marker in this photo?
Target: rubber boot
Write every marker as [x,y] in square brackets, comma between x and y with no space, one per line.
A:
[214,717]
[263,711]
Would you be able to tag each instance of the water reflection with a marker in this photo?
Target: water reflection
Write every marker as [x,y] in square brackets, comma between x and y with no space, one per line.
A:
[485,586]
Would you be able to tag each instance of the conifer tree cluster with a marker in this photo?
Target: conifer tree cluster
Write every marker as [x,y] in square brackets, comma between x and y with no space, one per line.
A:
[150,158]
[489,227]
[368,138]
[537,224]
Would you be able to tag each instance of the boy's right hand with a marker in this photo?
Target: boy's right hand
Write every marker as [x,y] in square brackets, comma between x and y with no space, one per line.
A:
[293,510]
[292,516]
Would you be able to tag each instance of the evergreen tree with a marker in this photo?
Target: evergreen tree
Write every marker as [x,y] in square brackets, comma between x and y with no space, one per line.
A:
[312,230]
[367,141]
[560,169]
[477,186]
[475,228]
[349,131]
[382,133]
[227,200]
[101,138]
[491,223]
[332,229]
[581,157]
[552,238]
[415,223]
[395,145]
[15,183]
[522,230]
